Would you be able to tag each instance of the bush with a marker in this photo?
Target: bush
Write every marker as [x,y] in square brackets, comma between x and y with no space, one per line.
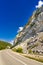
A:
[31,25]
[19,49]
[30,51]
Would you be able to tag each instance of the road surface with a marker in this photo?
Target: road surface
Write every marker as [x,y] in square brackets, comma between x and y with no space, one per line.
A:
[8,57]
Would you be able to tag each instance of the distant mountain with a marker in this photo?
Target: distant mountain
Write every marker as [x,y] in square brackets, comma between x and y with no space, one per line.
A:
[4,45]
[31,37]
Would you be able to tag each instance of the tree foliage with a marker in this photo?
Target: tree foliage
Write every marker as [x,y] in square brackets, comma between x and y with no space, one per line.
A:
[3,45]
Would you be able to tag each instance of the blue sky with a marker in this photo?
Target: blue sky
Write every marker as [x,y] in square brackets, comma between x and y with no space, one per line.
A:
[14,14]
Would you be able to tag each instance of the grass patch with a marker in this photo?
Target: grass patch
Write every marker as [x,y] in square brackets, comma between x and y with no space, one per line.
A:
[35,58]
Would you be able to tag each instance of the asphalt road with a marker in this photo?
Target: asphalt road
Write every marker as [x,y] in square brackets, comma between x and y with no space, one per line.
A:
[8,57]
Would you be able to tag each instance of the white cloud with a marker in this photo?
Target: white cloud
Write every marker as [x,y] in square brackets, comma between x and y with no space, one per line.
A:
[40,3]
[20,29]
[11,41]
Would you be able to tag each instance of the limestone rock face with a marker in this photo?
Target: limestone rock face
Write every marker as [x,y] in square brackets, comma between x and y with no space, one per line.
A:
[31,29]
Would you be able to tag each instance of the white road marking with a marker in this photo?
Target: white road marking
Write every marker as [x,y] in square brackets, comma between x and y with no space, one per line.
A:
[17,59]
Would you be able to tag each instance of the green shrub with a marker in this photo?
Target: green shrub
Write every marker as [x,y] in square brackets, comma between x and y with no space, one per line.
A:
[32,24]
[19,49]
[30,51]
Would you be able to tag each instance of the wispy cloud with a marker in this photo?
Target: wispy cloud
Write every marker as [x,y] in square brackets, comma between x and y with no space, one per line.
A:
[40,3]
[12,41]
[20,29]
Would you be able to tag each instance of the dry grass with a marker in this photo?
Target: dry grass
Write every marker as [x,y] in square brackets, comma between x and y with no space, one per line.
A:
[34,57]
